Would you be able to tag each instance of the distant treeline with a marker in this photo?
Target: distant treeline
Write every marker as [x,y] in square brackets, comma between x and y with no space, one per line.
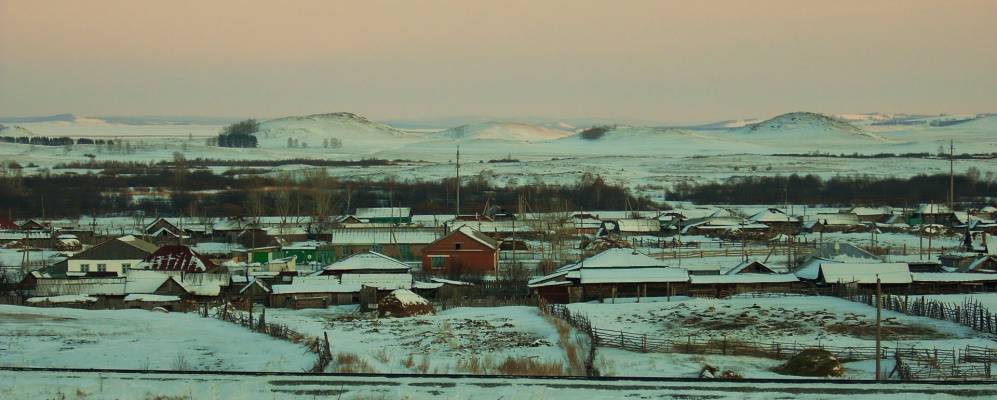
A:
[239,134]
[139,167]
[963,156]
[167,191]
[52,141]
[839,190]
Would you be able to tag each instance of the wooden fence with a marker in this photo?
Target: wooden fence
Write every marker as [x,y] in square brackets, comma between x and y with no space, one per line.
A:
[914,363]
[318,346]
[970,313]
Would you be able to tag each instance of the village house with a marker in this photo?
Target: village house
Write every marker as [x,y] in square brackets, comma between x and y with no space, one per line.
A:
[609,275]
[385,215]
[833,222]
[777,220]
[749,276]
[863,276]
[871,214]
[931,213]
[370,269]
[113,257]
[462,251]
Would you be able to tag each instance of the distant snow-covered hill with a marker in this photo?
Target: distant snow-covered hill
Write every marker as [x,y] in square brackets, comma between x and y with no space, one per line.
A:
[350,129]
[505,131]
[15,131]
[806,126]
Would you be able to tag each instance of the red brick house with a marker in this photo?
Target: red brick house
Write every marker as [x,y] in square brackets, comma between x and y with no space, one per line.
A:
[463,250]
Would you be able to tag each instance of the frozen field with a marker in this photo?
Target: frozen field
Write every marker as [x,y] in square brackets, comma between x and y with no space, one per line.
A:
[646,158]
[460,340]
[826,320]
[138,339]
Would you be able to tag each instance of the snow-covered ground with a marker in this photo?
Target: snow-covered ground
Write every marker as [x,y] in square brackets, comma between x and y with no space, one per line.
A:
[138,339]
[793,319]
[453,341]
[82,385]
[648,158]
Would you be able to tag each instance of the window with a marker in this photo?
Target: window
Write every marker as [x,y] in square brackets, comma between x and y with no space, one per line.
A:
[84,267]
[101,267]
[437,262]
[125,266]
[456,246]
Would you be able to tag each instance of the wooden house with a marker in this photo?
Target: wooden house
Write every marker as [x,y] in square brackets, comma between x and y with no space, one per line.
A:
[609,275]
[462,251]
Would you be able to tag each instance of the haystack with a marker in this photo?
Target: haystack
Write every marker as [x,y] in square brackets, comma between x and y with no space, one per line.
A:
[404,303]
[812,362]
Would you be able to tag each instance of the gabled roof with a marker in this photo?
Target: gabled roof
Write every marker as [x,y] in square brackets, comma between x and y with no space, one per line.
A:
[620,258]
[748,263]
[139,244]
[178,258]
[255,282]
[369,260]
[116,249]
[771,215]
[474,235]
[864,273]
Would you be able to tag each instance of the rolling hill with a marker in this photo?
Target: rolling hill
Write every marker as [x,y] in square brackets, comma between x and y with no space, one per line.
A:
[503,131]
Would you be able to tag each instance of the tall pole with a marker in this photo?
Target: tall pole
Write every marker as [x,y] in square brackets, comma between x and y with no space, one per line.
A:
[458,180]
[951,175]
[879,311]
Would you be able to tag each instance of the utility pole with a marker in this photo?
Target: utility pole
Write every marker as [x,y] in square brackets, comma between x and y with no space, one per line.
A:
[879,311]
[951,175]
[458,180]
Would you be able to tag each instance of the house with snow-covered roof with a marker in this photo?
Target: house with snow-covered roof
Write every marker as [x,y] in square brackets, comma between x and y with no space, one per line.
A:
[610,274]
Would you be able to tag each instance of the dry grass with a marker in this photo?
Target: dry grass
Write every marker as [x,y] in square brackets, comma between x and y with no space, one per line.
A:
[531,367]
[350,363]
[382,356]
[409,361]
[575,346]
[423,366]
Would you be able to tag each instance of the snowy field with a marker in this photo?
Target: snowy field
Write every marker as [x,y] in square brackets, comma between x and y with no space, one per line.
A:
[816,320]
[646,158]
[138,339]
[459,340]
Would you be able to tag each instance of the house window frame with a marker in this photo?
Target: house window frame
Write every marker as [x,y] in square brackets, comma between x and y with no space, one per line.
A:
[458,245]
[101,267]
[442,260]
[84,268]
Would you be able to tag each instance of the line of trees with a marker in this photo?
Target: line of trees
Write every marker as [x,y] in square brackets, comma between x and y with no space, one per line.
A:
[159,190]
[839,190]
[52,141]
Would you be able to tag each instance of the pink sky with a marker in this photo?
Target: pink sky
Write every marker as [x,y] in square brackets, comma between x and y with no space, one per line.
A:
[658,60]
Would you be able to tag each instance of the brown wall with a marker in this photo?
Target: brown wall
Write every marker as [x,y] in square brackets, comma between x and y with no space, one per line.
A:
[472,256]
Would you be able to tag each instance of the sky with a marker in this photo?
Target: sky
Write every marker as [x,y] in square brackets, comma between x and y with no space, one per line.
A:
[664,60]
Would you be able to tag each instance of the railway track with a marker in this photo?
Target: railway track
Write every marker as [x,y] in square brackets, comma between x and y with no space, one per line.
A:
[117,383]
